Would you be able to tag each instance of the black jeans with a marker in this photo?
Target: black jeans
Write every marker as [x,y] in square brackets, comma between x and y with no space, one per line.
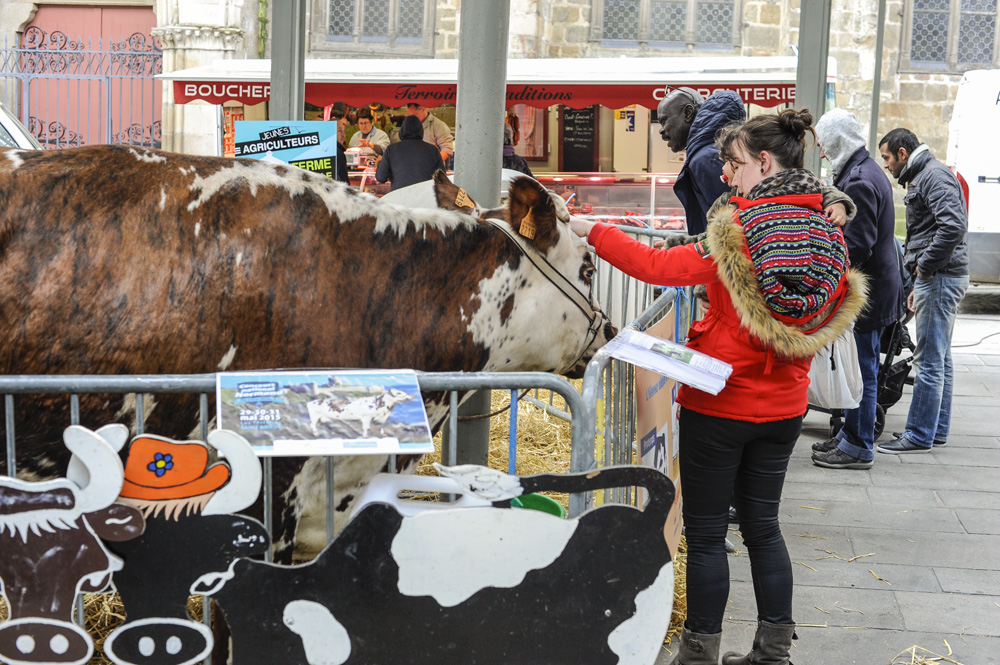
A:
[723,459]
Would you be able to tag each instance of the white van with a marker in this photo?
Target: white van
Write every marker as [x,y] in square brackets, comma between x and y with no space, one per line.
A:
[974,153]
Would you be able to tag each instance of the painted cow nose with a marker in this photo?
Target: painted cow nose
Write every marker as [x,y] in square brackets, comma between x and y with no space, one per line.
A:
[159,641]
[26,640]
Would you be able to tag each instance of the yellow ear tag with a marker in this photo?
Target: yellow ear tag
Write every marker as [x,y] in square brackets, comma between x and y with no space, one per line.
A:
[462,200]
[527,228]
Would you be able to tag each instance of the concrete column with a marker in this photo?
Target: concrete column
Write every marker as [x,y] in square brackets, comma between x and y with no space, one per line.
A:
[810,78]
[288,61]
[873,136]
[482,91]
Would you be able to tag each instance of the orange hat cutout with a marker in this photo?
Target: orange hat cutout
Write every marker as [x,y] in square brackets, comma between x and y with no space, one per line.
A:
[162,469]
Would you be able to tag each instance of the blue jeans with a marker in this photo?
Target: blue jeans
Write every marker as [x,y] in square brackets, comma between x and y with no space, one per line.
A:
[857,437]
[936,300]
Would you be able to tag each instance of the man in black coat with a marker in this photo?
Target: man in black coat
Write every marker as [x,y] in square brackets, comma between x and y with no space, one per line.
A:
[411,160]
[687,122]
[871,248]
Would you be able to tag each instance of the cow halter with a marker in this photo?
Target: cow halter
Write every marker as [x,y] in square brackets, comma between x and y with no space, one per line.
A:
[595,317]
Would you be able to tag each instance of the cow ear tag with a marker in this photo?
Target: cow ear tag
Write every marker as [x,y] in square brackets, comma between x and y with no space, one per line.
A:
[527,228]
[462,199]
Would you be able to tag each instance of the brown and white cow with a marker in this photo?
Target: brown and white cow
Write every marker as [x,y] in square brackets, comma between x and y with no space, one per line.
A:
[51,550]
[117,260]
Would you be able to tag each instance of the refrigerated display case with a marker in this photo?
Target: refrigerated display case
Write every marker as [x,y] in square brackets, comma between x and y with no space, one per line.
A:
[643,200]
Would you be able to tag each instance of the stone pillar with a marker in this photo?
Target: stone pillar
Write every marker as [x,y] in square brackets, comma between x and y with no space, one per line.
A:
[193,128]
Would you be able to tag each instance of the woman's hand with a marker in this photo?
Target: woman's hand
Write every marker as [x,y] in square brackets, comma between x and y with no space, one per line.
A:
[581,226]
[837,213]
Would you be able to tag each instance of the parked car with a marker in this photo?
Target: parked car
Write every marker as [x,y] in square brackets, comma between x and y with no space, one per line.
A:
[13,134]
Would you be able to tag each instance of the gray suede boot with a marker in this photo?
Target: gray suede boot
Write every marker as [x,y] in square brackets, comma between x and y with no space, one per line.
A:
[771,646]
[698,649]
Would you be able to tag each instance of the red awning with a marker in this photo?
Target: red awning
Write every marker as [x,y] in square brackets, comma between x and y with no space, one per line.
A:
[577,83]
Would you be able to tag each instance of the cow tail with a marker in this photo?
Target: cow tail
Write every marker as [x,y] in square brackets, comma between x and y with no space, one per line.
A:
[660,488]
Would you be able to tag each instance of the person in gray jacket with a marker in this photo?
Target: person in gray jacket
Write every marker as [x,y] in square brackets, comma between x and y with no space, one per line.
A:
[871,246]
[937,255]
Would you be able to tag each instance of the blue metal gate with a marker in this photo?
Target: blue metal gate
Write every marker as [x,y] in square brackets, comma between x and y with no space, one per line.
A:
[70,94]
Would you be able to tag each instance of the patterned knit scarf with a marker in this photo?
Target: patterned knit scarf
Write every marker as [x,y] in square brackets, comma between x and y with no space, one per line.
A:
[799,257]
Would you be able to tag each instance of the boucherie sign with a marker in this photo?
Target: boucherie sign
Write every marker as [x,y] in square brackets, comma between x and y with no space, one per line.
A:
[393,95]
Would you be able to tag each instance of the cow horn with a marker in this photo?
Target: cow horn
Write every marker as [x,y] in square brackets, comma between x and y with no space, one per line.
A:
[76,470]
[102,474]
[245,474]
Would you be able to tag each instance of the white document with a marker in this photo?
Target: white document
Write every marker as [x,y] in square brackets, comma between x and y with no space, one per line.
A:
[673,360]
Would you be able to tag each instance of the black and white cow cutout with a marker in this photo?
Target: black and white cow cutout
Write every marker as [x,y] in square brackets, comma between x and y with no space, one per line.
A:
[51,549]
[189,546]
[469,586]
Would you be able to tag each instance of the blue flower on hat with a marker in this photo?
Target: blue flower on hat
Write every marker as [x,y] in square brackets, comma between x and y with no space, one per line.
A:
[161,464]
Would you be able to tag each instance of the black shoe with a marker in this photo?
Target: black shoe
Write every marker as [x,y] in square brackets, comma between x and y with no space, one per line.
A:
[733,517]
[937,442]
[838,459]
[901,446]
[826,446]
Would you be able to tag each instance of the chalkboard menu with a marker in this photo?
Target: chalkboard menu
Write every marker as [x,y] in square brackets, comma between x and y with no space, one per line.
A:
[578,131]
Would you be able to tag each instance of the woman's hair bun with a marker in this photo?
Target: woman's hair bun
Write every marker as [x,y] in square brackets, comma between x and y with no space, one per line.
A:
[796,122]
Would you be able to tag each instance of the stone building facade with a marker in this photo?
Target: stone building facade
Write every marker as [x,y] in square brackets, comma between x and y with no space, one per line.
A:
[197,32]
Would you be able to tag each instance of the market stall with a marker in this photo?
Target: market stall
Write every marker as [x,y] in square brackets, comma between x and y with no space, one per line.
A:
[581,118]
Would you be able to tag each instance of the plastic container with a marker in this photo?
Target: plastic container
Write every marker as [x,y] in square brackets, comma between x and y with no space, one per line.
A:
[539,502]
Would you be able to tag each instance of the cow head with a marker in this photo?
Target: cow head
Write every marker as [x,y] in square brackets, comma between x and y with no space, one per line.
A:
[191,541]
[52,551]
[560,263]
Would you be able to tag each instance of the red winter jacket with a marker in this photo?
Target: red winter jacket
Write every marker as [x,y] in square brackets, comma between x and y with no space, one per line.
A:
[770,359]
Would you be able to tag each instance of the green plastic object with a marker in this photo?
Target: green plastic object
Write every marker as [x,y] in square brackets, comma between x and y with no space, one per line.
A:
[539,502]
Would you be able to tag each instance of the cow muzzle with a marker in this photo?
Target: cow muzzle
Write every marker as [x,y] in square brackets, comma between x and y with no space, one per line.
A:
[607,332]
[24,641]
[159,641]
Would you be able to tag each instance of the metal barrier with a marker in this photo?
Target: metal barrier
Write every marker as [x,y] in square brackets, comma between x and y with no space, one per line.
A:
[612,383]
[204,385]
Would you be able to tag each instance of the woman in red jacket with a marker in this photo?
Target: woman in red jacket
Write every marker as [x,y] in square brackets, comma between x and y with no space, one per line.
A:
[777,277]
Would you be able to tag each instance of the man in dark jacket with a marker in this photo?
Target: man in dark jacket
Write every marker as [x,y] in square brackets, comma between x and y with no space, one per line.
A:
[689,122]
[871,248]
[411,160]
[937,255]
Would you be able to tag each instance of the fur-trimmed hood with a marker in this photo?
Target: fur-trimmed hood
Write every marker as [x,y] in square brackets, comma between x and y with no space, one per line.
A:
[727,245]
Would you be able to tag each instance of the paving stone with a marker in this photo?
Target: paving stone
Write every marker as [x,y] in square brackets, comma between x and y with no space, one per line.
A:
[868,608]
[794,491]
[894,516]
[906,496]
[979,521]
[966,425]
[950,612]
[962,456]
[926,548]
[962,580]
[927,476]
[969,499]
[956,440]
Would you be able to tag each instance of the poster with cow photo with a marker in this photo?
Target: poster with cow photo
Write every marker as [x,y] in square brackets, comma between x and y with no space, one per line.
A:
[343,412]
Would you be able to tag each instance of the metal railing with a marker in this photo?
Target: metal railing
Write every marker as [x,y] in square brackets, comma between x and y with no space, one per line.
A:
[70,93]
[611,383]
